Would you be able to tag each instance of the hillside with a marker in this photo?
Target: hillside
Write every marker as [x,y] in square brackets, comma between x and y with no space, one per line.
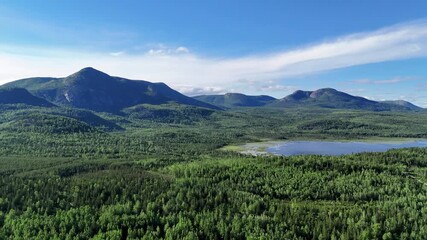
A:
[230,100]
[21,96]
[95,90]
[46,123]
[168,113]
[14,113]
[403,103]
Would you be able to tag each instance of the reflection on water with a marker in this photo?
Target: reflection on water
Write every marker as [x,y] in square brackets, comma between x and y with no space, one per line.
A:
[338,148]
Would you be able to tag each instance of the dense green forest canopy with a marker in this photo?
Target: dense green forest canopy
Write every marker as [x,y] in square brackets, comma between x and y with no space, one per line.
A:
[155,172]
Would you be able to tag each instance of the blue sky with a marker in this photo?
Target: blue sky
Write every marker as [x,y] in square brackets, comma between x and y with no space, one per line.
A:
[375,49]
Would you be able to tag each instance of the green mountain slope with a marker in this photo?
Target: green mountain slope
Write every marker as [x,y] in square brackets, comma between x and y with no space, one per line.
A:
[14,112]
[403,103]
[168,113]
[95,90]
[46,123]
[235,100]
[21,96]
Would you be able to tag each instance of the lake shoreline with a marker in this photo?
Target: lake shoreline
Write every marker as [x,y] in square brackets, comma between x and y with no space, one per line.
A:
[261,148]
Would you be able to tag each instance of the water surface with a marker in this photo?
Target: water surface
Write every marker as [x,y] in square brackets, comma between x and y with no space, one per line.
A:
[338,148]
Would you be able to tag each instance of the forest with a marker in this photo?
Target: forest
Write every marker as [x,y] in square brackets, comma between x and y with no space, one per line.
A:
[157,172]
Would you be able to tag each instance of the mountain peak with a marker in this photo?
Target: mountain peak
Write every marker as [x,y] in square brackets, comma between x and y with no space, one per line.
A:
[88,77]
[90,72]
[92,89]
[324,91]
[297,95]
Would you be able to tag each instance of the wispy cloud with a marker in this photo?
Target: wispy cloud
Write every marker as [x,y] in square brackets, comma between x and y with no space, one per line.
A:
[384,81]
[87,36]
[356,91]
[168,51]
[276,88]
[421,87]
[178,66]
[117,54]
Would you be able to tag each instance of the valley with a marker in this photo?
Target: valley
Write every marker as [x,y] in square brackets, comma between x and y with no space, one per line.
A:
[156,165]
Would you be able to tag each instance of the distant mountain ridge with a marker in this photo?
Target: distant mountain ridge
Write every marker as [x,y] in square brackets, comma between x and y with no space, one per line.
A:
[332,98]
[98,91]
[324,98]
[94,90]
[236,100]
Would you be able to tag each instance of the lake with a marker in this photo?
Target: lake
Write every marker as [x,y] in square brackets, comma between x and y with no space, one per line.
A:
[338,148]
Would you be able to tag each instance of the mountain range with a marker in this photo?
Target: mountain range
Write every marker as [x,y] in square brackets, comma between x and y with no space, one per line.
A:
[94,90]
[323,98]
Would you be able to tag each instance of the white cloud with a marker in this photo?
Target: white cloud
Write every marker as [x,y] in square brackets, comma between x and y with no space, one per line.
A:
[182,49]
[179,67]
[195,91]
[156,51]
